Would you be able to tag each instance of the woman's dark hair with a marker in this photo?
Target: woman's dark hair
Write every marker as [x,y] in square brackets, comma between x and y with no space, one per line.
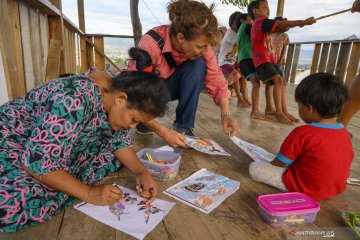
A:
[146,91]
[324,92]
[240,17]
[253,5]
[233,17]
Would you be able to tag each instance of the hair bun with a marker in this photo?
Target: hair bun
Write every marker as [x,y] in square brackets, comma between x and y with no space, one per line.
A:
[142,58]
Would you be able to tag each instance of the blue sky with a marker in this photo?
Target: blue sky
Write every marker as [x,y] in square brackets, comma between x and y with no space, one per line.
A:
[113,16]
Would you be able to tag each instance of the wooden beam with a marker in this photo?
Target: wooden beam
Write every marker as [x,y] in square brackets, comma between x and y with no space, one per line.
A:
[289,60]
[280,8]
[5,68]
[315,60]
[110,35]
[135,20]
[83,46]
[334,50]
[353,64]
[45,7]
[295,63]
[11,37]
[90,53]
[53,62]
[324,57]
[99,60]
[343,60]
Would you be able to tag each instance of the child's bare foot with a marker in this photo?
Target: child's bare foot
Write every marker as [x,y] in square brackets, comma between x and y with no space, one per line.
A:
[270,111]
[247,101]
[243,104]
[281,117]
[233,93]
[291,117]
[258,116]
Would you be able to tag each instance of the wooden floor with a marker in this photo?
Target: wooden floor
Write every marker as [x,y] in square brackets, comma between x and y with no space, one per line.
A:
[237,217]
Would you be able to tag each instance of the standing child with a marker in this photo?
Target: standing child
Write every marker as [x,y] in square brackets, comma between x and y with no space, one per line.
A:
[263,59]
[314,159]
[227,62]
[246,63]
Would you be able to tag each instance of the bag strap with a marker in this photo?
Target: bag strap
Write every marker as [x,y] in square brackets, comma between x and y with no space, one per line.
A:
[160,42]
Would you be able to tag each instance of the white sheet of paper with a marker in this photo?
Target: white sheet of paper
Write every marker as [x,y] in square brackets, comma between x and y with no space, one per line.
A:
[258,154]
[203,190]
[166,148]
[133,220]
[207,146]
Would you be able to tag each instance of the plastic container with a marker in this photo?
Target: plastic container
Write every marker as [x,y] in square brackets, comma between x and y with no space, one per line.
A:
[287,208]
[158,170]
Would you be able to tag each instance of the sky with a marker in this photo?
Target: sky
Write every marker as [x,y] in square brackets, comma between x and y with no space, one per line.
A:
[113,17]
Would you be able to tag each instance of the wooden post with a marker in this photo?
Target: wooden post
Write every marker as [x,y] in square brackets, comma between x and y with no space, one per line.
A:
[315,60]
[83,45]
[280,8]
[135,20]
[334,50]
[353,64]
[4,73]
[295,63]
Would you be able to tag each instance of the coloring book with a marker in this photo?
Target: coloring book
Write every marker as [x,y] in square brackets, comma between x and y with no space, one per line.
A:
[206,146]
[130,215]
[258,154]
[203,190]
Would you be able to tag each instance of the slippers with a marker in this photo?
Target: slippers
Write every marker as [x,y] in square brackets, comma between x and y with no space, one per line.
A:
[353,181]
[352,220]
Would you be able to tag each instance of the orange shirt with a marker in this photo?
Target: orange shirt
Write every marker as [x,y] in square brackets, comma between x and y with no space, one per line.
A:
[215,82]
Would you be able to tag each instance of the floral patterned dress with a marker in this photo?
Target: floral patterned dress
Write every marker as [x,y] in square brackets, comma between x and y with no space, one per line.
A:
[58,125]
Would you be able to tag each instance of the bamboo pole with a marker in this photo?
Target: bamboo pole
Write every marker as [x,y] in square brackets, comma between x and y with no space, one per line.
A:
[333,14]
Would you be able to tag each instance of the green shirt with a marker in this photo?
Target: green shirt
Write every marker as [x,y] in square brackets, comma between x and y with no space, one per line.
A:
[244,42]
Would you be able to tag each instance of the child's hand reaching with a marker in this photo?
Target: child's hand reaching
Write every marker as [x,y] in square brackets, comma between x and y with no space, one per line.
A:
[310,21]
[104,194]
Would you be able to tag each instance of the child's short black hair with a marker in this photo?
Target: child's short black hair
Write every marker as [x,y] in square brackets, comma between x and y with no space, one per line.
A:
[240,17]
[253,5]
[324,92]
[232,18]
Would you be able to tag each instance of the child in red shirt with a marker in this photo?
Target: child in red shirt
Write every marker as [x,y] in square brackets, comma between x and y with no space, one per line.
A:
[264,61]
[314,159]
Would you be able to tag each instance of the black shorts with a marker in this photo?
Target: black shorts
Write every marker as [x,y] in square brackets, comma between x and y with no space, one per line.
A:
[247,68]
[266,72]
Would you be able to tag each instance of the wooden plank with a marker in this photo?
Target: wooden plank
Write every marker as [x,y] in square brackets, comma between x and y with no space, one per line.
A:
[56,33]
[289,60]
[53,62]
[280,8]
[315,59]
[25,36]
[294,63]
[99,60]
[343,60]
[5,83]
[334,50]
[10,22]
[90,53]
[324,57]
[35,45]
[83,46]
[353,64]
[44,36]
[45,7]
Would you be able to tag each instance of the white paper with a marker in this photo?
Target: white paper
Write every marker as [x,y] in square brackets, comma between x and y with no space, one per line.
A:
[166,148]
[258,154]
[203,190]
[207,146]
[133,220]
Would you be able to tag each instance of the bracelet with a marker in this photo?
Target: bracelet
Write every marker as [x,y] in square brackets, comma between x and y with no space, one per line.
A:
[225,114]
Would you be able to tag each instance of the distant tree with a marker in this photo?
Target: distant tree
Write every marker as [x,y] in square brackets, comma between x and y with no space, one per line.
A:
[238,3]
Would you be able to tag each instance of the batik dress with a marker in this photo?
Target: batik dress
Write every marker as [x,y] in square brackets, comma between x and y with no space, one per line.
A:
[60,125]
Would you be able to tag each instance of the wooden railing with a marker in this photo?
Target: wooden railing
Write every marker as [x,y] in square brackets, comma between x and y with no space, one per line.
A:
[338,57]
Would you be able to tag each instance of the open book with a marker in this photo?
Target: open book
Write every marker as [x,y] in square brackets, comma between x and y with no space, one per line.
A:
[258,154]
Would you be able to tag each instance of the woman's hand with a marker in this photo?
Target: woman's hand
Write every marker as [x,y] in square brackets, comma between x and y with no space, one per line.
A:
[104,194]
[173,138]
[146,186]
[231,125]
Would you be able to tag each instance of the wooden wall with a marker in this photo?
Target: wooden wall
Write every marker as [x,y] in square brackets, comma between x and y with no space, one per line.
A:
[28,58]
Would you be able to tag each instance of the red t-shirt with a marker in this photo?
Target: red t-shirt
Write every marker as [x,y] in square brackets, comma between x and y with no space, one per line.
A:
[319,158]
[259,38]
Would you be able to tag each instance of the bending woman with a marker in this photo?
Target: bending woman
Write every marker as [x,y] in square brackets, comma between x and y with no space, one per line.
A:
[60,139]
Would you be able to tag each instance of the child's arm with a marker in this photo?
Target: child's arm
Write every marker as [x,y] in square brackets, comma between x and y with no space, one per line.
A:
[276,162]
[283,26]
